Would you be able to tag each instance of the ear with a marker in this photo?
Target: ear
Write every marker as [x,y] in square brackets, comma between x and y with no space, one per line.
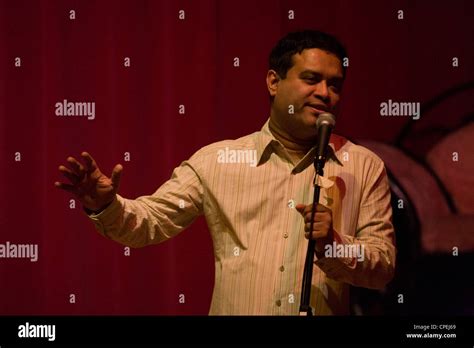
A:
[272,82]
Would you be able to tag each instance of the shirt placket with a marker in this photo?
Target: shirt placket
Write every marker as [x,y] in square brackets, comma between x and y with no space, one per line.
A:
[284,298]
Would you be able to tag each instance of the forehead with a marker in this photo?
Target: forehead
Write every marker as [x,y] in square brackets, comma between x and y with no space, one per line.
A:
[317,60]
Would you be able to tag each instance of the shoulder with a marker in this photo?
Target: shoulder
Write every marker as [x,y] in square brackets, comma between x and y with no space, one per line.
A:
[360,155]
[210,153]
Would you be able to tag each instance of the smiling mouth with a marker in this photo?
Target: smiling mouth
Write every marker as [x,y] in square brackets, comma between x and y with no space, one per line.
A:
[317,108]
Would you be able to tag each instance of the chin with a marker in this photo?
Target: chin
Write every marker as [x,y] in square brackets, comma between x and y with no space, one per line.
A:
[307,126]
[309,119]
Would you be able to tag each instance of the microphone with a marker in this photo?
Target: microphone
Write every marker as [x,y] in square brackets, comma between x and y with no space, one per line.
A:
[325,123]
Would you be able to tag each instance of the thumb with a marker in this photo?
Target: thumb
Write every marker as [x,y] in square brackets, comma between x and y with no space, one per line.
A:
[300,207]
[116,175]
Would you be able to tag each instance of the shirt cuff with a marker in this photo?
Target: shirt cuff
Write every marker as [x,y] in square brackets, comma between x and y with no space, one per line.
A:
[331,263]
[107,216]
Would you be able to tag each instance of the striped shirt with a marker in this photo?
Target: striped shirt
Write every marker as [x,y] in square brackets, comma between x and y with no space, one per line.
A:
[247,190]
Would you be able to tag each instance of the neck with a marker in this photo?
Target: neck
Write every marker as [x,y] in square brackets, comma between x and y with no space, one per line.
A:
[288,141]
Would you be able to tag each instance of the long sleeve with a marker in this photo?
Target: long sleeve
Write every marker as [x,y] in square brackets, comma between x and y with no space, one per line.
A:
[155,218]
[374,234]
[244,188]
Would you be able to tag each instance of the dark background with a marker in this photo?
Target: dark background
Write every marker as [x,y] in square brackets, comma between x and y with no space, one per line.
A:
[190,62]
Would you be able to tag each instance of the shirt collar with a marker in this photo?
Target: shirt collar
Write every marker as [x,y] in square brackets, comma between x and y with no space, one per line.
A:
[266,143]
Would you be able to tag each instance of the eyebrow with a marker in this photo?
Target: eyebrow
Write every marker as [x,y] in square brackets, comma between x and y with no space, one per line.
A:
[315,73]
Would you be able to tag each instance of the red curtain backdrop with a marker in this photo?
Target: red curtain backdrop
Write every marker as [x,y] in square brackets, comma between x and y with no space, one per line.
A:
[173,62]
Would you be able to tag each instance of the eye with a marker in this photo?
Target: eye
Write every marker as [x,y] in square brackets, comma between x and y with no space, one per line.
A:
[335,85]
[310,80]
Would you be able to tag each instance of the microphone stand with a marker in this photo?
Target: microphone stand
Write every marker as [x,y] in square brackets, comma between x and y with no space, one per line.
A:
[305,308]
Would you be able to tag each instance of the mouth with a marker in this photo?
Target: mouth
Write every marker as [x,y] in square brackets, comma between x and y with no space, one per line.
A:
[317,108]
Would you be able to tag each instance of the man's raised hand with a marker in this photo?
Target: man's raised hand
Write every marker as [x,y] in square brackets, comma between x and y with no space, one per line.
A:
[92,188]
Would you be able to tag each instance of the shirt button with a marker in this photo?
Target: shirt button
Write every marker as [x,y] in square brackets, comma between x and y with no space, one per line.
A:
[285,235]
[282,268]
[291,204]
[278,303]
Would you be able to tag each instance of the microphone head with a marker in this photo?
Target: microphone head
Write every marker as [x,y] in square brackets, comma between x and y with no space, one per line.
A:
[326,119]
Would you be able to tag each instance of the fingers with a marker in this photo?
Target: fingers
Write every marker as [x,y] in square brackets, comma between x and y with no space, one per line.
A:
[325,216]
[75,173]
[315,235]
[320,230]
[91,165]
[300,207]
[322,220]
[116,175]
[317,226]
[305,209]
[73,178]
[322,213]
[65,187]
[76,167]
[322,208]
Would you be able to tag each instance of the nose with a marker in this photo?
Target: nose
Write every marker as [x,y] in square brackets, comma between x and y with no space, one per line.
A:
[321,90]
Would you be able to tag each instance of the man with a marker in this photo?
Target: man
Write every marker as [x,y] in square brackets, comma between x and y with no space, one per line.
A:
[256,195]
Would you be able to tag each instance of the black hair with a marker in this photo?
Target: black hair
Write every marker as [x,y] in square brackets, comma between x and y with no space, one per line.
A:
[280,58]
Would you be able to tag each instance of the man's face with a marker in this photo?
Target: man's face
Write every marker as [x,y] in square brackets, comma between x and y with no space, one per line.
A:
[312,86]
